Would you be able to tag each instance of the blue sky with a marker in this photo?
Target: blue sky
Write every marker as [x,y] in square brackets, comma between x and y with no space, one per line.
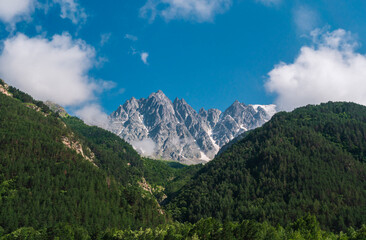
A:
[209,52]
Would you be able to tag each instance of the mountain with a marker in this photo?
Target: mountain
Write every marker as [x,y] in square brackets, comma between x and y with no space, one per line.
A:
[312,160]
[160,128]
[62,179]
[55,171]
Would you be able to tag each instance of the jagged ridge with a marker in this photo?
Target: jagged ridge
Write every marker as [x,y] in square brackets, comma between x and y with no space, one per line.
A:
[160,128]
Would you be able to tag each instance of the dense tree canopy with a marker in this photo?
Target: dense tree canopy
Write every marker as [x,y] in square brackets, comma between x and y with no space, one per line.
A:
[305,228]
[43,182]
[311,160]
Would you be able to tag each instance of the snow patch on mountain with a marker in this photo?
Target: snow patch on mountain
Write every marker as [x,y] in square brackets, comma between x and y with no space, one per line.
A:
[209,132]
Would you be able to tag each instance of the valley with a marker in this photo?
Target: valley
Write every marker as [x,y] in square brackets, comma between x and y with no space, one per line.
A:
[299,176]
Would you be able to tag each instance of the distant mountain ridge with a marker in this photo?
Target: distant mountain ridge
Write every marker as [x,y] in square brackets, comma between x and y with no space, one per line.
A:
[160,128]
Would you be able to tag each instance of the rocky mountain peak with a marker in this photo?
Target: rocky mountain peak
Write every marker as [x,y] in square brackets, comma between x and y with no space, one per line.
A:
[159,95]
[181,103]
[183,110]
[203,113]
[235,108]
[131,104]
[164,129]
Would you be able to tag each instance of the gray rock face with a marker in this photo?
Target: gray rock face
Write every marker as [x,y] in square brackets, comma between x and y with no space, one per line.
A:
[159,128]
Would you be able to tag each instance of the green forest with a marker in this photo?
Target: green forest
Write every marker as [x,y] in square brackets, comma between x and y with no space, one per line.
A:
[42,182]
[300,176]
[311,160]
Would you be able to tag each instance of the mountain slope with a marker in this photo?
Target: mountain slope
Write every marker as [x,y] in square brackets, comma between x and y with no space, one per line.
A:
[112,154]
[311,160]
[49,175]
[164,129]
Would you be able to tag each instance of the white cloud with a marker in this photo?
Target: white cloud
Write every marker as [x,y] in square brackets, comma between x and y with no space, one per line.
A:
[72,10]
[331,70]
[93,114]
[306,19]
[269,2]
[146,147]
[12,11]
[338,39]
[195,10]
[133,51]
[144,56]
[53,70]
[131,37]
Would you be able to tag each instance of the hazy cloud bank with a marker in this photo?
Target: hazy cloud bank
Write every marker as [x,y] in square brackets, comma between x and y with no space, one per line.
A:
[93,114]
[146,147]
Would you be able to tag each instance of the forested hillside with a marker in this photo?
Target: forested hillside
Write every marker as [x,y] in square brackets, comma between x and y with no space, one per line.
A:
[112,153]
[311,160]
[48,175]
[119,159]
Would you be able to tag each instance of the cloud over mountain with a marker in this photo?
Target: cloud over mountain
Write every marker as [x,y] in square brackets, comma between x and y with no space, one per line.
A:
[93,114]
[329,70]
